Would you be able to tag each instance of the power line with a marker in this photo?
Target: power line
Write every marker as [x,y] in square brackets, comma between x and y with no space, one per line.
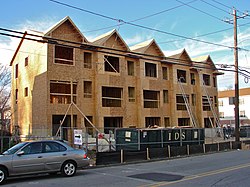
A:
[226,6]
[163,11]
[168,60]
[215,32]
[215,6]
[138,19]
[140,26]
[200,10]
[210,33]
[222,4]
[84,10]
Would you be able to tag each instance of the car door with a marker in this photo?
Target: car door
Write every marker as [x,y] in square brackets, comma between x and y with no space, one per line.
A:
[31,161]
[54,155]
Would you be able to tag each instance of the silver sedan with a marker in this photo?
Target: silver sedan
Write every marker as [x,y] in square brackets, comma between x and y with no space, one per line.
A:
[45,156]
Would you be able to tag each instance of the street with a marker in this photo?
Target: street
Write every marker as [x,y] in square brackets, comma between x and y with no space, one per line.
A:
[218,169]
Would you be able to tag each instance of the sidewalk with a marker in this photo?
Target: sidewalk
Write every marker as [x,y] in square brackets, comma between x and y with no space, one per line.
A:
[221,139]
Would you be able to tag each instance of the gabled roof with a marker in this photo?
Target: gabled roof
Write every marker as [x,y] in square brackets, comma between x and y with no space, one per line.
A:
[59,23]
[206,59]
[144,46]
[100,40]
[180,54]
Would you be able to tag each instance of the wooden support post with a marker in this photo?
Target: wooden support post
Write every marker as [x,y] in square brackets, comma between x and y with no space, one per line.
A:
[122,160]
[169,153]
[148,158]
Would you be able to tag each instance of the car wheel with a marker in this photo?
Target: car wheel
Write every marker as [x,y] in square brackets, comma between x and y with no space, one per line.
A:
[3,175]
[68,169]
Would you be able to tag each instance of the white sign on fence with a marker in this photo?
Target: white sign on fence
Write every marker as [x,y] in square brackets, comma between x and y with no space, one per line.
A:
[77,137]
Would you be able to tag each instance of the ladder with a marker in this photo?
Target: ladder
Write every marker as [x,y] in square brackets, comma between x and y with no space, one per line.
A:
[189,109]
[216,118]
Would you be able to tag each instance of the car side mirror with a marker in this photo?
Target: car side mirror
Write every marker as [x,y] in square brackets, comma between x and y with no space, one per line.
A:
[20,153]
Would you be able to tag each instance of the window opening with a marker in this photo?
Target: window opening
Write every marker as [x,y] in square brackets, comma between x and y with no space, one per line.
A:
[207,122]
[87,89]
[26,92]
[231,100]
[130,66]
[16,71]
[16,95]
[151,99]
[166,122]
[165,73]
[192,77]
[180,103]
[181,75]
[111,64]
[152,121]
[242,113]
[87,60]
[110,123]
[26,61]
[60,92]
[150,70]
[131,94]
[165,96]
[205,103]
[214,82]
[111,97]
[63,55]
[183,122]
[206,79]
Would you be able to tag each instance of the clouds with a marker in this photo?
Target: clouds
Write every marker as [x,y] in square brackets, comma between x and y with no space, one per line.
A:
[138,38]
[7,49]
[8,45]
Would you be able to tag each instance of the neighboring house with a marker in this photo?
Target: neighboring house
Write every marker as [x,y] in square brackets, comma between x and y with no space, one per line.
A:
[226,107]
[113,85]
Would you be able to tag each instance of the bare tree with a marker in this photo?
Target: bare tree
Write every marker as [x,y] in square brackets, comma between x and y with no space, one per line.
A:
[5,80]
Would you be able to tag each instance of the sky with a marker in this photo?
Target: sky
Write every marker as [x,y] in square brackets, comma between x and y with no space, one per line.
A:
[169,22]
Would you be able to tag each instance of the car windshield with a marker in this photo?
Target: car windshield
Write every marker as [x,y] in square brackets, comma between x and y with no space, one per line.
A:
[14,149]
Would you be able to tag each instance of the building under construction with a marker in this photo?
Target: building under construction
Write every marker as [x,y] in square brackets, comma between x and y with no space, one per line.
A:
[59,78]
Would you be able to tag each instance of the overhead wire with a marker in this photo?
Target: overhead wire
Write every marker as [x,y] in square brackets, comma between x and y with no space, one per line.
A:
[141,26]
[168,60]
[200,10]
[138,19]
[222,4]
[163,11]
[207,34]
[214,6]
[55,40]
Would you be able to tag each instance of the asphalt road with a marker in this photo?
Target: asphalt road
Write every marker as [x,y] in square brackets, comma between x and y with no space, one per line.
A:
[218,169]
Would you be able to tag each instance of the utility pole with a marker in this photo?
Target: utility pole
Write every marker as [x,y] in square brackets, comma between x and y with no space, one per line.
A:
[236,76]
[236,66]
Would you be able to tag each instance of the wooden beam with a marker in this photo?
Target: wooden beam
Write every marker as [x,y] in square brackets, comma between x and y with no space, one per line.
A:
[19,46]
